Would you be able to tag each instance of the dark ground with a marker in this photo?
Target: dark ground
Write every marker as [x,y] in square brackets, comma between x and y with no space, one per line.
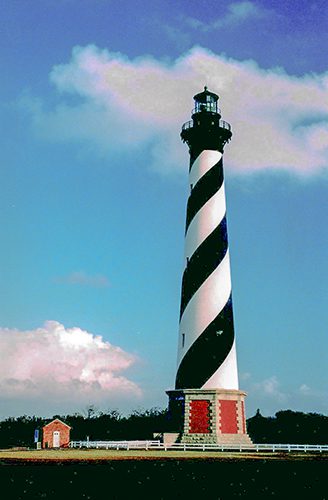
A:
[165,479]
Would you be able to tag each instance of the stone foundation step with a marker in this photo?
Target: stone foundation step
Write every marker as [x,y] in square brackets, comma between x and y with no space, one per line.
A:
[227,439]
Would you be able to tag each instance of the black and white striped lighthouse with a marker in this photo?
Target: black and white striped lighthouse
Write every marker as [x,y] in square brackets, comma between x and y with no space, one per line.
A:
[206,403]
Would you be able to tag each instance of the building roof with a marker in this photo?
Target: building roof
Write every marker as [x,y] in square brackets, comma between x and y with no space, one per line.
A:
[202,96]
[57,420]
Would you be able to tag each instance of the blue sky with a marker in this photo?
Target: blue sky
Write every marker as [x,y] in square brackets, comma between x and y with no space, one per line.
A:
[94,187]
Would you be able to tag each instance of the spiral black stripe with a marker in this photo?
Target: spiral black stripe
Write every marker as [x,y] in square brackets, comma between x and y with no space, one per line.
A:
[208,351]
[203,262]
[205,188]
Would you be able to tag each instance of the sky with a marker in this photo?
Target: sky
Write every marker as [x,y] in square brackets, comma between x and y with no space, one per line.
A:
[94,184]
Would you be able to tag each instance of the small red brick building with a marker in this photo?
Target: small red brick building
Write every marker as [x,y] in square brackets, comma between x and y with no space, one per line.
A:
[56,434]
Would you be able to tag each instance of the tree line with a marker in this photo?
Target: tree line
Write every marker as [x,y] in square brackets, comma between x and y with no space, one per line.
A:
[285,427]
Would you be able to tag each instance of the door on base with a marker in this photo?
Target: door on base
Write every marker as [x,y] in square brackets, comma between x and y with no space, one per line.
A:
[56,439]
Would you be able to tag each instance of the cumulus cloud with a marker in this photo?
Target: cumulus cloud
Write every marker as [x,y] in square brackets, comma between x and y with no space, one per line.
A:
[82,278]
[244,376]
[270,387]
[236,13]
[304,389]
[270,396]
[278,121]
[313,395]
[57,365]
[239,11]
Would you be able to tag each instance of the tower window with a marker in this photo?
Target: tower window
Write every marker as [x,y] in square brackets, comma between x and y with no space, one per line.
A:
[183,340]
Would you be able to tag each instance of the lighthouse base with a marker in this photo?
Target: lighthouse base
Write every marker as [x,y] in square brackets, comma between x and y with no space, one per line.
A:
[209,416]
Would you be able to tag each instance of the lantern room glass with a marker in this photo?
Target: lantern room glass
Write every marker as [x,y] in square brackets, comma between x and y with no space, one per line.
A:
[209,104]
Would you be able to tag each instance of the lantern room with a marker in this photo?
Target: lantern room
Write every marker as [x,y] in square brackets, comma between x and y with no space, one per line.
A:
[206,101]
[206,130]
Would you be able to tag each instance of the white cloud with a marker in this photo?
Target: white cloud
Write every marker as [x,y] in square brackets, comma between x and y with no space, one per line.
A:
[304,389]
[278,121]
[244,376]
[82,278]
[237,13]
[313,395]
[270,387]
[58,367]
[270,396]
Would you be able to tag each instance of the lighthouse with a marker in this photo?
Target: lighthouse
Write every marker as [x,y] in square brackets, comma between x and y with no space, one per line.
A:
[206,404]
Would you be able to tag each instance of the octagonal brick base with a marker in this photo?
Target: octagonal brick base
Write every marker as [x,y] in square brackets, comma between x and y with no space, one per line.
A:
[209,415]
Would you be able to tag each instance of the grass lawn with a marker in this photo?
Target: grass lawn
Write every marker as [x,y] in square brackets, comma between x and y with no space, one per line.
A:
[103,455]
[160,475]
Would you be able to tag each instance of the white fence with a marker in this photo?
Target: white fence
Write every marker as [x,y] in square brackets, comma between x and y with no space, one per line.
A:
[147,445]
[118,445]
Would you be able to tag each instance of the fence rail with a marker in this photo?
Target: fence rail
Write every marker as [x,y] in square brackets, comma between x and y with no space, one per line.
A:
[118,445]
[147,445]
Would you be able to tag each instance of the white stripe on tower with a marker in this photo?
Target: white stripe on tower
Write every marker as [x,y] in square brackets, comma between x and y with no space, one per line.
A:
[202,164]
[204,222]
[204,306]
[206,353]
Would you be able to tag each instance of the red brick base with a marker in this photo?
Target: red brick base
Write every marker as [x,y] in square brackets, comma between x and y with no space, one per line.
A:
[199,416]
[212,415]
[229,416]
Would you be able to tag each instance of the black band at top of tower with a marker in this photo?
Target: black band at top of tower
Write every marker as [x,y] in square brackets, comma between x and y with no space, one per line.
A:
[206,130]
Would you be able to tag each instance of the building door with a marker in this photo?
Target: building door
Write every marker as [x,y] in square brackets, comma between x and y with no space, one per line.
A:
[56,439]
